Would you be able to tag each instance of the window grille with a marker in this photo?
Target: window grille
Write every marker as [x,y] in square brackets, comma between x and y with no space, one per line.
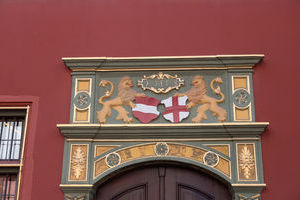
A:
[11,137]
[8,186]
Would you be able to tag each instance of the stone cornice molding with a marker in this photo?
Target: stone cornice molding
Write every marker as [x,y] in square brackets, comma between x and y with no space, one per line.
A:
[166,131]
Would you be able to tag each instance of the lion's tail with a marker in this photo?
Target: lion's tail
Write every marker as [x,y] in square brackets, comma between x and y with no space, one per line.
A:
[104,83]
[217,90]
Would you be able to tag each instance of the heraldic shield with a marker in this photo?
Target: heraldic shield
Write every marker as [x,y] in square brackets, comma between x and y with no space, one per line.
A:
[176,109]
[146,109]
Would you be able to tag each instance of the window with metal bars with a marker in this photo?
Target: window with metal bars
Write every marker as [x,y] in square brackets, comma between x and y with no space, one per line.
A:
[11,137]
[8,186]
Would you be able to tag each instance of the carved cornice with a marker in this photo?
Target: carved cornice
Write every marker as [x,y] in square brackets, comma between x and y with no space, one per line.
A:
[167,131]
[162,63]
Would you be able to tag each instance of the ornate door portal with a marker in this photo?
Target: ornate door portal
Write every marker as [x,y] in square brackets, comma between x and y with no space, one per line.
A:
[163,183]
[195,111]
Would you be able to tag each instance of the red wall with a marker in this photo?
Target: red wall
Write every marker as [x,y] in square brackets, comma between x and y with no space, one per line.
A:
[35,34]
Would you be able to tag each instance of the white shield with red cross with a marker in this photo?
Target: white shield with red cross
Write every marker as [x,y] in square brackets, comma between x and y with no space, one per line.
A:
[145,109]
[176,109]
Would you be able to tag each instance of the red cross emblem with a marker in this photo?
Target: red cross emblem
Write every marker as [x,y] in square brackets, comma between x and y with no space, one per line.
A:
[176,109]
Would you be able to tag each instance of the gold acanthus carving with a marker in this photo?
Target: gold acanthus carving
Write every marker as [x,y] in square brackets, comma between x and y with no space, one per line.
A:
[162,79]
[198,95]
[125,97]
[247,161]
[78,162]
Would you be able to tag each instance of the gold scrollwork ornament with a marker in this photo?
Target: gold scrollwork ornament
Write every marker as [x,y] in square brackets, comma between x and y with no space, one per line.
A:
[178,82]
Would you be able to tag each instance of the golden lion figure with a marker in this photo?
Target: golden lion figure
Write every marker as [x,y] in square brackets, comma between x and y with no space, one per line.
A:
[197,95]
[125,97]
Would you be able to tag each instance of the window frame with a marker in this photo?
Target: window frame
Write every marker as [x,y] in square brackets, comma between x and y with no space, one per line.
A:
[14,167]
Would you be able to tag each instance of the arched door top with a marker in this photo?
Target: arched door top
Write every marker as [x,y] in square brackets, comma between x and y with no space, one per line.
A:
[201,157]
[163,182]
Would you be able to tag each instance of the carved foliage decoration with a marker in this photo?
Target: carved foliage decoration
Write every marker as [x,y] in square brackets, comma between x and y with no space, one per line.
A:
[78,161]
[246,159]
[161,83]
[255,197]
[78,197]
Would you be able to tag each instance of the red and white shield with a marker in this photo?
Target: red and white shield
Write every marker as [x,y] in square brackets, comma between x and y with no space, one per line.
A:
[146,109]
[175,108]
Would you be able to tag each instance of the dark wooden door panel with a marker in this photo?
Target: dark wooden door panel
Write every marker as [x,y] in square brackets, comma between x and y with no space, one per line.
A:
[189,193]
[163,183]
[194,185]
[139,184]
[136,193]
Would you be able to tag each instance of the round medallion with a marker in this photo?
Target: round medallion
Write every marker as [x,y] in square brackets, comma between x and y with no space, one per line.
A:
[82,100]
[211,159]
[113,159]
[161,149]
[241,98]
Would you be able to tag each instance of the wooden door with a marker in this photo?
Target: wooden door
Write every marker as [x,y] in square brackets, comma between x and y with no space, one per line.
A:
[163,183]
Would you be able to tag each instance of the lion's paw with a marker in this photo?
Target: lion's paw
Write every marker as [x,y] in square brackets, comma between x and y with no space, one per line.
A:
[179,94]
[128,120]
[102,121]
[141,95]
[196,119]
[222,119]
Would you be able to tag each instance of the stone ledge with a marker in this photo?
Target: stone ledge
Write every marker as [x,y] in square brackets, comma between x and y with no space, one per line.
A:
[162,63]
[163,131]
